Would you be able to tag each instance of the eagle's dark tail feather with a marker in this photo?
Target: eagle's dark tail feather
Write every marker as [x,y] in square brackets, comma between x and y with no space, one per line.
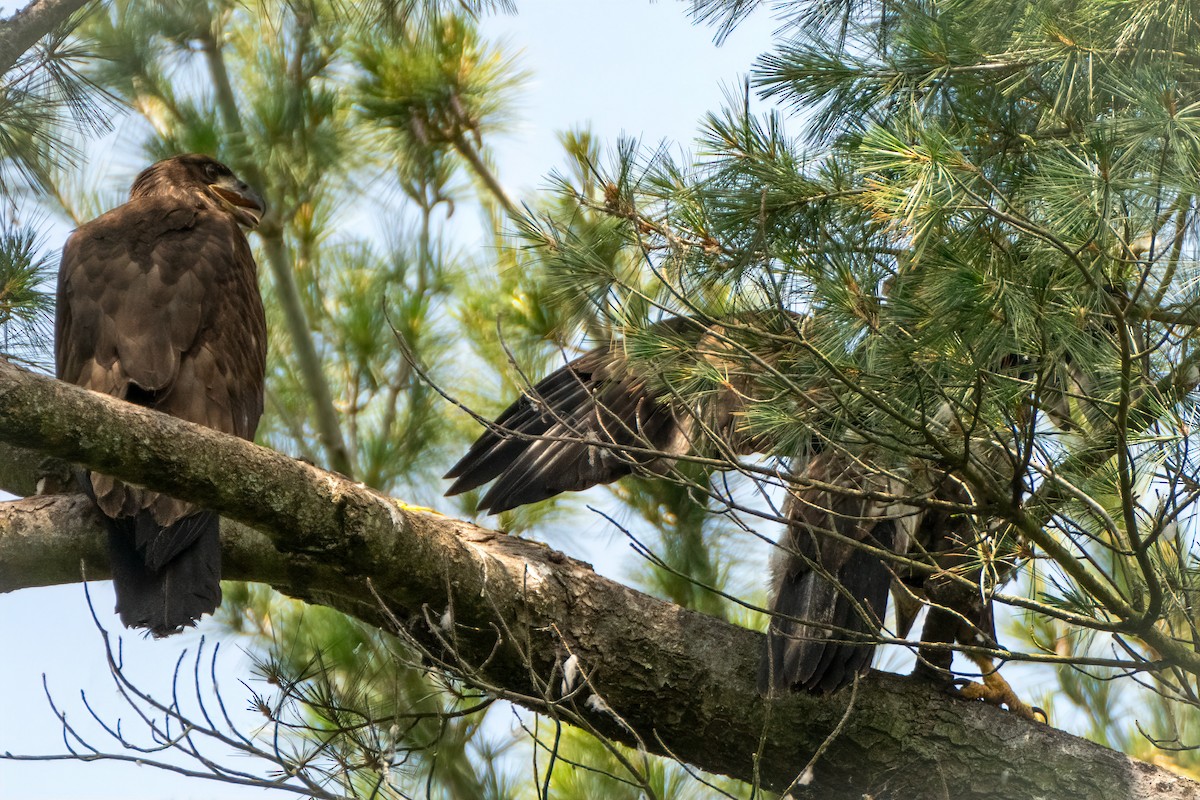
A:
[165,578]
[826,655]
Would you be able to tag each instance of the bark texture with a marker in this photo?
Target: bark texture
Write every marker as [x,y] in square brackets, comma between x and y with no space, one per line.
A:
[21,31]
[680,683]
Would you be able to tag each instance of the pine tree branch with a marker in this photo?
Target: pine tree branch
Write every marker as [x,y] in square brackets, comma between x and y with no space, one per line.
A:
[280,264]
[683,683]
[311,369]
[21,31]
[485,174]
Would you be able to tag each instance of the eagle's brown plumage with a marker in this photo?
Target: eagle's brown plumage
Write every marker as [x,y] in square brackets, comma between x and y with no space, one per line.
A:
[605,415]
[829,594]
[599,418]
[158,304]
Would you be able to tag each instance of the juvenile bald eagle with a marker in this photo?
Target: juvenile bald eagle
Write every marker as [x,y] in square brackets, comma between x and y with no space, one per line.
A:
[158,304]
[600,418]
[605,415]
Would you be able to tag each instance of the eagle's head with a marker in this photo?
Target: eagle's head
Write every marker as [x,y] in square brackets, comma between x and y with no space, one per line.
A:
[197,173]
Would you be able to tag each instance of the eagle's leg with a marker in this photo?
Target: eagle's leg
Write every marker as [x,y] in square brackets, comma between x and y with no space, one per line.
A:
[935,654]
[953,608]
[957,614]
[55,476]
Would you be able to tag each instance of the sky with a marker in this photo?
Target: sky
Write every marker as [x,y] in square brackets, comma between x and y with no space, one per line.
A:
[620,67]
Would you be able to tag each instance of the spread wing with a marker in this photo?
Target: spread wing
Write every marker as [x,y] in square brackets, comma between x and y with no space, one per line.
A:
[570,432]
[606,414]
[158,304]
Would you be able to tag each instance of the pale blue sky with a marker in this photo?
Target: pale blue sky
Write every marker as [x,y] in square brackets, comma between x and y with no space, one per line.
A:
[622,67]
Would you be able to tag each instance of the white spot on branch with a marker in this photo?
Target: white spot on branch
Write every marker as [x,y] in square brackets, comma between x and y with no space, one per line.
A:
[597,704]
[570,673]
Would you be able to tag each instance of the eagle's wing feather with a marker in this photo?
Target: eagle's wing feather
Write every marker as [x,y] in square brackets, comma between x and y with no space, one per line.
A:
[568,433]
[129,308]
[563,393]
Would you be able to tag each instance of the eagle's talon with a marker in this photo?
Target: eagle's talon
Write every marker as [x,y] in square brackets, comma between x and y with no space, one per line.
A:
[994,690]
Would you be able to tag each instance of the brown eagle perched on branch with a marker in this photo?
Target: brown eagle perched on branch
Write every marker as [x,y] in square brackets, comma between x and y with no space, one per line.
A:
[604,415]
[158,305]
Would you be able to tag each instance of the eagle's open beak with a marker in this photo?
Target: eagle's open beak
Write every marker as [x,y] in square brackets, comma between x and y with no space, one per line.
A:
[244,203]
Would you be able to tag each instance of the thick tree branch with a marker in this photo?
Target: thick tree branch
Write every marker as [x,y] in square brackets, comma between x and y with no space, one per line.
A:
[20,470]
[682,683]
[21,31]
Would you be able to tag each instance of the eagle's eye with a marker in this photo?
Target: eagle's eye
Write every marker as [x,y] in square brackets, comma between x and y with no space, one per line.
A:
[211,171]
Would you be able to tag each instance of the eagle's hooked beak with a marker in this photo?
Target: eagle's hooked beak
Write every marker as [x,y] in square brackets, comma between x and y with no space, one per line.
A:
[246,205]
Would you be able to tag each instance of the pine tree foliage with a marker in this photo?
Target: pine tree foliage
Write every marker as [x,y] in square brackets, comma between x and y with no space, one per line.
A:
[982,241]
[46,105]
[359,701]
[943,247]
[24,305]
[286,93]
